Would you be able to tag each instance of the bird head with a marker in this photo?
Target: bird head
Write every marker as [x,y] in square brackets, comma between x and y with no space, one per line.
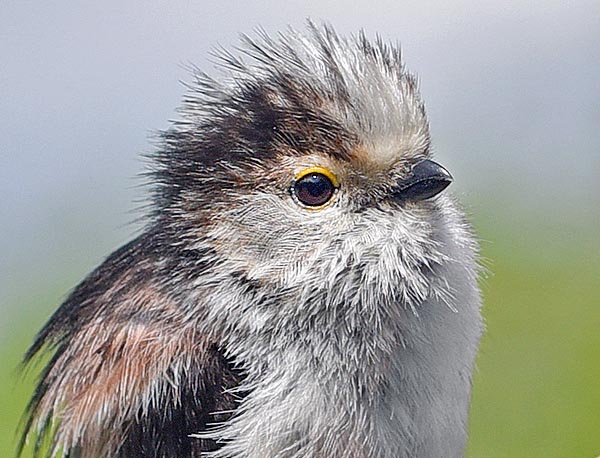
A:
[310,159]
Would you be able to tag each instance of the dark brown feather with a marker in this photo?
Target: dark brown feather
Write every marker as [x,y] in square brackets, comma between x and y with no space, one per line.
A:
[130,374]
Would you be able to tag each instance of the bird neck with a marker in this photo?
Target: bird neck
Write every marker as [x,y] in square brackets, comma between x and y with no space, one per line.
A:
[350,379]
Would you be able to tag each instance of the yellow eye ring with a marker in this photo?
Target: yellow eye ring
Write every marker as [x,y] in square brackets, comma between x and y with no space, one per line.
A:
[322,171]
[314,187]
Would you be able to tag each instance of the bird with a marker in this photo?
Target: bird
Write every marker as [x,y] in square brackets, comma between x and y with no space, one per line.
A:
[304,285]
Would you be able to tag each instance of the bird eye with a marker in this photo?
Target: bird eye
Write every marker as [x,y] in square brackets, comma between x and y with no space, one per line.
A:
[314,187]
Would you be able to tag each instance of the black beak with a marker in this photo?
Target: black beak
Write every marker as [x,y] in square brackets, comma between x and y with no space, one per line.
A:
[426,179]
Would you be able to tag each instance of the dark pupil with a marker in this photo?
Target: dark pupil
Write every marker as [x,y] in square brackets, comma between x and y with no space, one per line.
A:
[314,189]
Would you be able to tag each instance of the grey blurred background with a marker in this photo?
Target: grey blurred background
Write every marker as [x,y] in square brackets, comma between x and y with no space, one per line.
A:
[512,90]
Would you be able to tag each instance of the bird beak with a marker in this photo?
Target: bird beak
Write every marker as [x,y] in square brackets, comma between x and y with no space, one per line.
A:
[426,179]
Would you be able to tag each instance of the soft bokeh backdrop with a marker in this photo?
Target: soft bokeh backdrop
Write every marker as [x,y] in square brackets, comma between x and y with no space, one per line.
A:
[514,101]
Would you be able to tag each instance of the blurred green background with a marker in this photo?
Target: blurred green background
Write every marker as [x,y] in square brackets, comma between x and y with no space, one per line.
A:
[514,102]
